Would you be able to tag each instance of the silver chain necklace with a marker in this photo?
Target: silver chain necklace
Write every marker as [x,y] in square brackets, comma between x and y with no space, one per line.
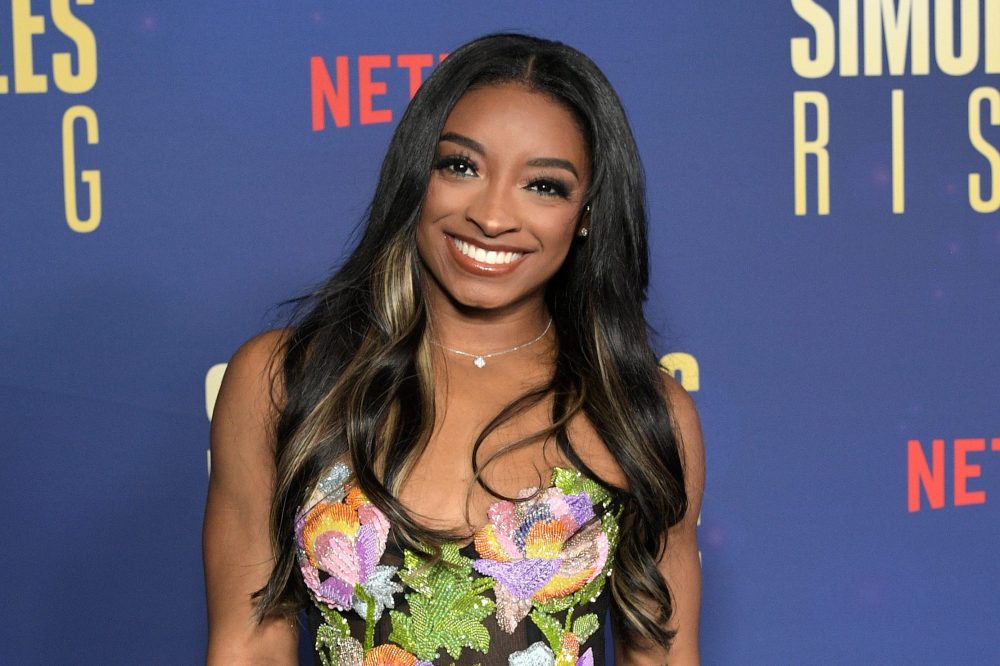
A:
[479,360]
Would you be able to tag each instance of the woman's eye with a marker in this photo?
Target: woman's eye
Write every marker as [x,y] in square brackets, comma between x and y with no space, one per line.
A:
[549,188]
[458,166]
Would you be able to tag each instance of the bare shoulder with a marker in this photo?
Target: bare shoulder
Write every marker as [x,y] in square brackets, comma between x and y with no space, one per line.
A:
[679,402]
[258,359]
[245,411]
[687,429]
[252,382]
[243,420]
[263,345]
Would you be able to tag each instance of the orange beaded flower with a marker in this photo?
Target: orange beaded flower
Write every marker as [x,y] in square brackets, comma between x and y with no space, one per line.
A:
[341,539]
[390,655]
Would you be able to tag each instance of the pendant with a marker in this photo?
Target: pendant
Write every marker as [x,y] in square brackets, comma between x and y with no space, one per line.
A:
[479,361]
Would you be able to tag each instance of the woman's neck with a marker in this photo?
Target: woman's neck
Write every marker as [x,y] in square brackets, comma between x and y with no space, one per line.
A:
[485,331]
[478,332]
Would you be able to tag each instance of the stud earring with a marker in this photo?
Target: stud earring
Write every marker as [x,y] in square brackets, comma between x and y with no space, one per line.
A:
[583,232]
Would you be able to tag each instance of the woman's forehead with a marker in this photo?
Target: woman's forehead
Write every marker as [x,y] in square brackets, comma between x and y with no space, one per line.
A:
[511,116]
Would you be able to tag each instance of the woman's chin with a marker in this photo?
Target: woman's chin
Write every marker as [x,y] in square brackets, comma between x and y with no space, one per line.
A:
[484,304]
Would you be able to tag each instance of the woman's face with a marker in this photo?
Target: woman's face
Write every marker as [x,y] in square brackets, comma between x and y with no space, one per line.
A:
[504,197]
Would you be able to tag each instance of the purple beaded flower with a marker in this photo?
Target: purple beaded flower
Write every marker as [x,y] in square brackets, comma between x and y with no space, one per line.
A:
[544,547]
[340,544]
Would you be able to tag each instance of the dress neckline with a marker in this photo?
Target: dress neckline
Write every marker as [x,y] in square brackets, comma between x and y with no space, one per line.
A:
[337,481]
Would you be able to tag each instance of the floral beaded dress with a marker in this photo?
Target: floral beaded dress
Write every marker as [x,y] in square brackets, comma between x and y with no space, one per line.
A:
[530,590]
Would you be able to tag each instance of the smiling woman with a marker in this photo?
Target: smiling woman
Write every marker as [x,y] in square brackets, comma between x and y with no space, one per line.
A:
[427,509]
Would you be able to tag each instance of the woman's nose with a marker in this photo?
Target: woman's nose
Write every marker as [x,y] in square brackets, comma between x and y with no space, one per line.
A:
[492,210]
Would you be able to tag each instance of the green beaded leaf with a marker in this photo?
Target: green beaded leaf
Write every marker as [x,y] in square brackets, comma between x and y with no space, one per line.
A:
[334,649]
[572,482]
[554,605]
[584,626]
[334,621]
[452,554]
[331,636]
[326,638]
[401,626]
[550,627]
[447,608]
[610,523]
[417,575]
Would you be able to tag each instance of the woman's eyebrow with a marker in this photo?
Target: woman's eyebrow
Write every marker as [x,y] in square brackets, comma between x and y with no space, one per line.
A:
[554,162]
[475,146]
[463,140]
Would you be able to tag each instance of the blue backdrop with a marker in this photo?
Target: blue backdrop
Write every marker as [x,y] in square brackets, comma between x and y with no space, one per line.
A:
[843,357]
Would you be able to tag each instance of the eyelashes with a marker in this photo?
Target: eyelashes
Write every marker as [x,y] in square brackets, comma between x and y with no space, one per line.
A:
[549,187]
[461,166]
[457,165]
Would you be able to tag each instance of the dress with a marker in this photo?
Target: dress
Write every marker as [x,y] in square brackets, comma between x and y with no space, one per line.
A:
[528,591]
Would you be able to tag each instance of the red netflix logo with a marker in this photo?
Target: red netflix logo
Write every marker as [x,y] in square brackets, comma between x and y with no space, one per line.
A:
[331,92]
[930,476]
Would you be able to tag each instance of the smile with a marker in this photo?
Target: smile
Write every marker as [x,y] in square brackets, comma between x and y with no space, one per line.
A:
[483,255]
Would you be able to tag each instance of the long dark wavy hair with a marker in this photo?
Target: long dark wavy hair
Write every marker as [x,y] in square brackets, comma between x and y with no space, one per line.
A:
[357,381]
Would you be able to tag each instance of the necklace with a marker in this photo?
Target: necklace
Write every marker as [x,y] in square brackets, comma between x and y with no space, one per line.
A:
[479,360]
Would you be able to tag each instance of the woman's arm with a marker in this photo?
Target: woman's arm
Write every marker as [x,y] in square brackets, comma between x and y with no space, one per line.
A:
[235,538]
[680,564]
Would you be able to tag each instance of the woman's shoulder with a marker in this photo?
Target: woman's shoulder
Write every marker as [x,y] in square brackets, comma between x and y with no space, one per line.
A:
[260,352]
[256,364]
[680,404]
[687,430]
[251,392]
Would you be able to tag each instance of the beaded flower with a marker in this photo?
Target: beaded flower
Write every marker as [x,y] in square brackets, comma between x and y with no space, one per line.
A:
[347,651]
[546,554]
[539,654]
[341,538]
[390,655]
[545,546]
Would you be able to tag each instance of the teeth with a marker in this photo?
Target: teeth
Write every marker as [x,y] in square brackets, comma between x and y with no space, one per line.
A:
[485,256]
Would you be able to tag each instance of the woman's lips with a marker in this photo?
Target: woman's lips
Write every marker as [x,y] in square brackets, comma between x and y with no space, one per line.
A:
[478,267]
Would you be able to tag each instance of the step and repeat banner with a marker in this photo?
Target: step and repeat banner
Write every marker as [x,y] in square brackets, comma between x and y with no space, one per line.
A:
[824,196]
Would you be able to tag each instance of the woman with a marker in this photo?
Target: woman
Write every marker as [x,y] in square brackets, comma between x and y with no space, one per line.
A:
[463,451]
